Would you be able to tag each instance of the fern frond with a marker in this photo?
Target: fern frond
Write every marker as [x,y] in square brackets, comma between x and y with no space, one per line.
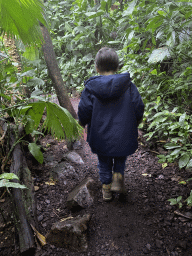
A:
[21,18]
[59,121]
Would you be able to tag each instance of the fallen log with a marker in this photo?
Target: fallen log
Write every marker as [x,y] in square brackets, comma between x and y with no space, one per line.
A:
[23,200]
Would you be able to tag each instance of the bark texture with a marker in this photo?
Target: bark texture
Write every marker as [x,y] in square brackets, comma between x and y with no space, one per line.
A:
[23,201]
[54,72]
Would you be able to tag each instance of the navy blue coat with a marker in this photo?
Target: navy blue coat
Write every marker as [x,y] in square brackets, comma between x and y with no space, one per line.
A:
[112,107]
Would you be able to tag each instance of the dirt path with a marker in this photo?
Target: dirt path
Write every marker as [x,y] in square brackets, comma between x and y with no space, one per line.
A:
[142,223]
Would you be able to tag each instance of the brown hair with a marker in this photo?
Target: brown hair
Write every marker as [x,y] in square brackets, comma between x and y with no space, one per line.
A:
[107,60]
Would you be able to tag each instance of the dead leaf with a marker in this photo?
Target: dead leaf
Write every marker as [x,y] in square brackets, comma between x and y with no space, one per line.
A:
[146,174]
[36,188]
[40,237]
[176,178]
[182,182]
[50,183]
[2,200]
[68,218]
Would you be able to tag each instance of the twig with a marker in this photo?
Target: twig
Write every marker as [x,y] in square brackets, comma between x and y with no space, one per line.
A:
[56,213]
[154,152]
[168,252]
[182,215]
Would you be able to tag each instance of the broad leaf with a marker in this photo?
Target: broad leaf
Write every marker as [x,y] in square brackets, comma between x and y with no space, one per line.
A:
[36,152]
[8,176]
[7,184]
[21,18]
[189,165]
[36,112]
[171,146]
[183,161]
[159,55]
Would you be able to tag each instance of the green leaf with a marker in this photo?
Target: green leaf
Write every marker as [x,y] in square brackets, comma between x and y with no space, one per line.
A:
[8,176]
[35,82]
[189,165]
[183,161]
[159,55]
[154,23]
[5,96]
[179,199]
[114,42]
[7,184]
[162,13]
[171,146]
[91,15]
[31,53]
[36,112]
[130,8]
[60,122]
[182,118]
[172,201]
[189,200]
[36,152]
[154,72]
[29,127]
[175,152]
[21,18]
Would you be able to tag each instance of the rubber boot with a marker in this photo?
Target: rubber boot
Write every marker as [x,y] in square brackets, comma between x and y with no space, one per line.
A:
[106,191]
[117,184]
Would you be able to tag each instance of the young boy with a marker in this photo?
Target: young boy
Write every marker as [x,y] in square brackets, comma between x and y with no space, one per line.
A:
[112,107]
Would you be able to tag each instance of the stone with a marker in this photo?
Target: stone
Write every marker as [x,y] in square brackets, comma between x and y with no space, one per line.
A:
[77,144]
[81,195]
[70,233]
[48,157]
[158,243]
[64,170]
[74,157]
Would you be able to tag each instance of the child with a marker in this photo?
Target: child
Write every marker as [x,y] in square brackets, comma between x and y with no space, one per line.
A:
[112,107]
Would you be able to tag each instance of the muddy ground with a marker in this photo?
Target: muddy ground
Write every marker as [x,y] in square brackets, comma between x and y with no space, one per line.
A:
[141,223]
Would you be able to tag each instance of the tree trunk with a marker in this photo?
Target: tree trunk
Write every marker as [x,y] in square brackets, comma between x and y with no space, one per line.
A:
[54,72]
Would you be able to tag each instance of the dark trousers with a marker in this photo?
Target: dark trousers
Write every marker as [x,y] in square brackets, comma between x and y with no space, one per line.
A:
[107,164]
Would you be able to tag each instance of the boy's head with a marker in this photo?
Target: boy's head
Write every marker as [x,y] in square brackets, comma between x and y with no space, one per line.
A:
[106,60]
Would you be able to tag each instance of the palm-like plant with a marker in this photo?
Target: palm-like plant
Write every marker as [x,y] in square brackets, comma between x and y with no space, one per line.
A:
[21,18]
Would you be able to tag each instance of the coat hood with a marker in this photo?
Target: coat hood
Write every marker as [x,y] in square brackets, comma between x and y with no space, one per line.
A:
[108,87]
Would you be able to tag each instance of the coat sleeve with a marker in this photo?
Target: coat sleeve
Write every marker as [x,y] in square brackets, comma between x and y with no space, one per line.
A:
[85,108]
[138,103]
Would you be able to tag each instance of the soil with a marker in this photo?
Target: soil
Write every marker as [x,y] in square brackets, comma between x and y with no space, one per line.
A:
[143,222]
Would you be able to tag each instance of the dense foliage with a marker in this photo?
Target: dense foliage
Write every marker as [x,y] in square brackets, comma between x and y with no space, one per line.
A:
[152,39]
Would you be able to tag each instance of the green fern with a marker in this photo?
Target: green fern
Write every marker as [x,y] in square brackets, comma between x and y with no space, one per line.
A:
[21,18]
[58,120]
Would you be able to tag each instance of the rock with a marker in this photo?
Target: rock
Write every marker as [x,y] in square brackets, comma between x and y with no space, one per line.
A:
[40,218]
[182,244]
[48,157]
[161,177]
[70,233]
[81,195]
[158,243]
[64,170]
[77,144]
[148,246]
[74,157]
